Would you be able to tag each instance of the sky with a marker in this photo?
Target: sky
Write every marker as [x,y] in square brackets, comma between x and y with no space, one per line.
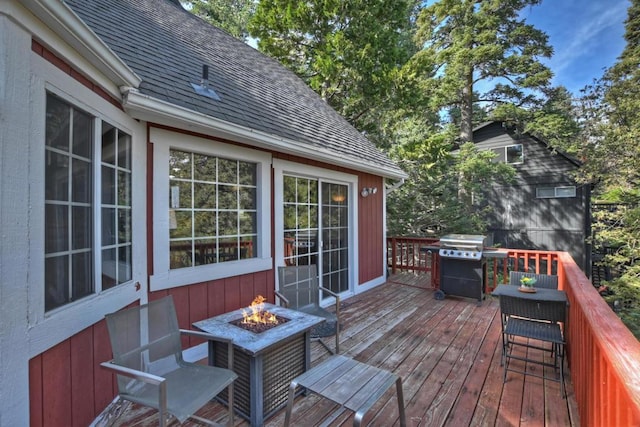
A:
[586,35]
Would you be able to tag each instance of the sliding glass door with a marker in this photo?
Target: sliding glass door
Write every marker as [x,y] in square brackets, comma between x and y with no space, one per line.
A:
[316,228]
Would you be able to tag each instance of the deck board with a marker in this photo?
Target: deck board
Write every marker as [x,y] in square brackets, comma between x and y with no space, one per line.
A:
[448,355]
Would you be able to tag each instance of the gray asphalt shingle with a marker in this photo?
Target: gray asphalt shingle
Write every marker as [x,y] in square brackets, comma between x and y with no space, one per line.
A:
[166,46]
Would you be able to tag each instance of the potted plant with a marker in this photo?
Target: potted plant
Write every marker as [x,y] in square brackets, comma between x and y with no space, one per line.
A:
[526,283]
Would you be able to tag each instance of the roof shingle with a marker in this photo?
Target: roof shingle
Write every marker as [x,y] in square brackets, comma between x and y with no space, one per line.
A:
[166,46]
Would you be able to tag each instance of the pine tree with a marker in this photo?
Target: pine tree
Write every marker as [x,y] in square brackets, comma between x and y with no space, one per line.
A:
[468,41]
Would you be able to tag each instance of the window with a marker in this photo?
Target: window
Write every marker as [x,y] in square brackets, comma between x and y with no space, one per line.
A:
[555,192]
[70,231]
[212,209]
[512,154]
[116,206]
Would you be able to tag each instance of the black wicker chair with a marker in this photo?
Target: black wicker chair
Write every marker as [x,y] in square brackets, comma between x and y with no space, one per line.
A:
[548,281]
[530,323]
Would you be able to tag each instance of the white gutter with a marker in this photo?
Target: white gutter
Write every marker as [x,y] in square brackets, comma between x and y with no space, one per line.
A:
[153,110]
[67,25]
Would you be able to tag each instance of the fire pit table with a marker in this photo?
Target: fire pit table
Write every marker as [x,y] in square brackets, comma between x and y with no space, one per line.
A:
[266,362]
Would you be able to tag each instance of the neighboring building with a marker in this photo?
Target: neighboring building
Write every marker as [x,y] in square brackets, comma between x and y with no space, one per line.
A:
[544,208]
[127,177]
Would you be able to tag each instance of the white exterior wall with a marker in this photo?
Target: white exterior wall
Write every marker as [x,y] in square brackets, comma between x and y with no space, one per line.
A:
[15,131]
[25,329]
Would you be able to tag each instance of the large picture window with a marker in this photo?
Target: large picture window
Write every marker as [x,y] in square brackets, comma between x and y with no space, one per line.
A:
[212,209]
[70,232]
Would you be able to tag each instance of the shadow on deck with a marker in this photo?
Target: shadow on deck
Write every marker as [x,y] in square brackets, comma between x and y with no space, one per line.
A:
[448,355]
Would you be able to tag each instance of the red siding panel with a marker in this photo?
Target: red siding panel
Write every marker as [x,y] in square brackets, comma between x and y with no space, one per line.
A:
[104,381]
[232,297]
[215,297]
[35,392]
[56,388]
[82,386]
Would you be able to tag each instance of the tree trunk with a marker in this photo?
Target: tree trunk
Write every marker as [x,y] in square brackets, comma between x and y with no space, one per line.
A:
[466,110]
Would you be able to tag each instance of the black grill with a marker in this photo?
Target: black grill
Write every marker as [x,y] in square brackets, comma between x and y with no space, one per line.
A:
[463,268]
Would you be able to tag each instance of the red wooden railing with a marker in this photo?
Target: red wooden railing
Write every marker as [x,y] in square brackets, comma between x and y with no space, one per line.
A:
[411,254]
[603,355]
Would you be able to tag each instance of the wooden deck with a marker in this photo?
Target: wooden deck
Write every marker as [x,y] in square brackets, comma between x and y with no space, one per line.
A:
[448,354]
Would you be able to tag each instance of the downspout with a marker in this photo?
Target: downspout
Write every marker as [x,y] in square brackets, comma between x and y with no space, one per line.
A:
[395,185]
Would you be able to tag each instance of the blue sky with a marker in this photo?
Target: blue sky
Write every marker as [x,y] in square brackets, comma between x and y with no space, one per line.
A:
[586,35]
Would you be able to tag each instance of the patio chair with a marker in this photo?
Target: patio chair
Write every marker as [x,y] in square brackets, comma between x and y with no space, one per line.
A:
[147,358]
[299,290]
[538,321]
[548,281]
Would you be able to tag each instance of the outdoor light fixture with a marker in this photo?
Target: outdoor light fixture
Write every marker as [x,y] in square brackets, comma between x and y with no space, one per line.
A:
[366,191]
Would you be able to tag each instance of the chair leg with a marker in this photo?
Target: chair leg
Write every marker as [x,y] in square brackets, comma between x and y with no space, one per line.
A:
[403,419]
[230,403]
[290,399]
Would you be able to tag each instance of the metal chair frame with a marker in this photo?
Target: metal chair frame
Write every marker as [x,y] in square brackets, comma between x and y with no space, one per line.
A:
[147,358]
[300,290]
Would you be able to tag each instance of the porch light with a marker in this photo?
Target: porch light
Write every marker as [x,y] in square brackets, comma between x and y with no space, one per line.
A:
[366,191]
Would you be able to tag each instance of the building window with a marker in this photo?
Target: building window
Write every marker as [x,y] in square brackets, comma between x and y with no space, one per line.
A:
[212,209]
[116,206]
[70,232]
[555,192]
[512,154]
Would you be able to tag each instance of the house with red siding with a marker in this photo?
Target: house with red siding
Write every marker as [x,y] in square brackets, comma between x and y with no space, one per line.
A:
[146,153]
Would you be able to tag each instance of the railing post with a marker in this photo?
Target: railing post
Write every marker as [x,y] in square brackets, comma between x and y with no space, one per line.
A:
[393,255]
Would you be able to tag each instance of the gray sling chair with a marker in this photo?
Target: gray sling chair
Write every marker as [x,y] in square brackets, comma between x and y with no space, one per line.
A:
[147,358]
[299,290]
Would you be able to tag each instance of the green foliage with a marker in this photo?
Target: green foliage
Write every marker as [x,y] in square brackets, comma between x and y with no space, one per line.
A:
[466,41]
[349,51]
[231,15]
[444,193]
[610,111]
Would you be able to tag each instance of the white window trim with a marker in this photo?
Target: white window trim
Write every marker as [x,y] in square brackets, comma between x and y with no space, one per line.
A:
[53,327]
[506,157]
[556,191]
[283,167]
[165,278]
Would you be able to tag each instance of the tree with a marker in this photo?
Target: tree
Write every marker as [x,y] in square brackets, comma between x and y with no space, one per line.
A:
[446,190]
[469,41]
[348,51]
[609,146]
[231,15]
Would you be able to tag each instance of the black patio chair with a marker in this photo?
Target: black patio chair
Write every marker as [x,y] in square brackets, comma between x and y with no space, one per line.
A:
[524,320]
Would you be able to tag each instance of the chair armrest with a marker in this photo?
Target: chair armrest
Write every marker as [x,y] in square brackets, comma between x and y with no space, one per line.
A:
[330,292]
[283,298]
[211,337]
[133,373]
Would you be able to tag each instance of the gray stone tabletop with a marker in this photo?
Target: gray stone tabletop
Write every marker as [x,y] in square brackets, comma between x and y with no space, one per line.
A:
[255,343]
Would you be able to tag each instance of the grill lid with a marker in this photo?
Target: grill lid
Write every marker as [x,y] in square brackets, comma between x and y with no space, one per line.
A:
[462,246]
[474,242]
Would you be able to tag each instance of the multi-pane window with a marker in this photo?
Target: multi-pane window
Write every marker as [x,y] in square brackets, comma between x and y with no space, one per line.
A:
[212,209]
[512,154]
[70,157]
[116,206]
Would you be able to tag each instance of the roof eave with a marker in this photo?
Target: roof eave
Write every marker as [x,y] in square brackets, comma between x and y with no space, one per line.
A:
[147,108]
[73,30]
